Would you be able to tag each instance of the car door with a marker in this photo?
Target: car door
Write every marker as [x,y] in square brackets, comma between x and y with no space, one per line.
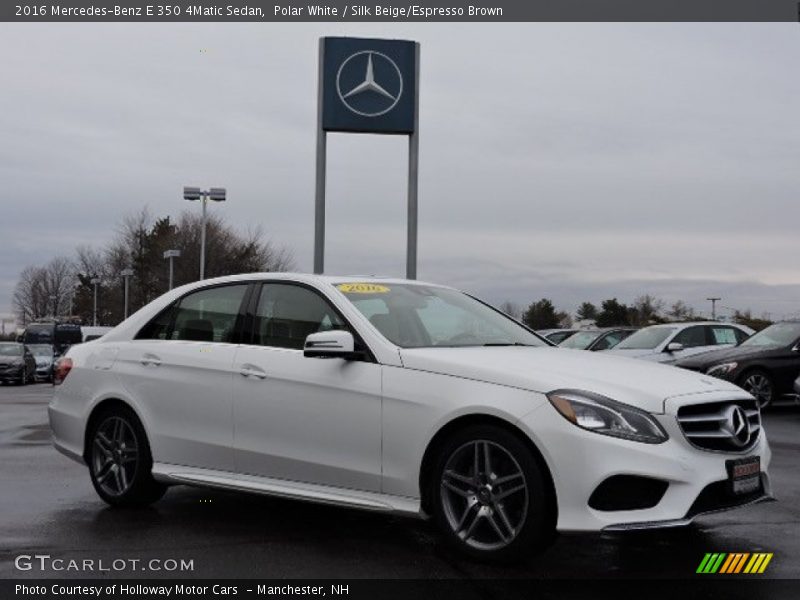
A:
[304,419]
[179,370]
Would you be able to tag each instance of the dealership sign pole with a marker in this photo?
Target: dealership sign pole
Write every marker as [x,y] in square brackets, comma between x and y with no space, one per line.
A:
[368,86]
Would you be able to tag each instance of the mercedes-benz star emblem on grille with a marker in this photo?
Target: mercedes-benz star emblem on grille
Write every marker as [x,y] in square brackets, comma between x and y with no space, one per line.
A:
[373,95]
[737,426]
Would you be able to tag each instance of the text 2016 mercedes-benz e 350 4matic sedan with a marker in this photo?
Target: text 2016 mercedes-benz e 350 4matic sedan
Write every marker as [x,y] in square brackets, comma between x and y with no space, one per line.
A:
[400,396]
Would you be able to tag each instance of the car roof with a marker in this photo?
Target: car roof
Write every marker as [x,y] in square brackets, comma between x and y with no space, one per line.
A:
[308,277]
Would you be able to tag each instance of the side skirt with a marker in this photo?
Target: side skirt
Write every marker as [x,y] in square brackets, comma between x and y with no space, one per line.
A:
[296,490]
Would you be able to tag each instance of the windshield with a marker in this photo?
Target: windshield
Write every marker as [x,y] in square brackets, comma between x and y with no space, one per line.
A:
[10,350]
[41,349]
[648,338]
[776,335]
[419,316]
[581,340]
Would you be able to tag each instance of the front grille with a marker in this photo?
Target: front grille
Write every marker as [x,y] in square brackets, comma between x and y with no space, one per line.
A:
[727,426]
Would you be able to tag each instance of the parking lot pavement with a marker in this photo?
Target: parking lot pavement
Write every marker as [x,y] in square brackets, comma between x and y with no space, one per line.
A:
[48,506]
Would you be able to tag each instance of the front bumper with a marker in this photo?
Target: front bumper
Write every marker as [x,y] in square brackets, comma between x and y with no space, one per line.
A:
[11,372]
[579,461]
[44,373]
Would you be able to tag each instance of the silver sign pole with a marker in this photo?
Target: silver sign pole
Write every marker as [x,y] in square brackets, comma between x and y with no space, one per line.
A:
[319,198]
[413,178]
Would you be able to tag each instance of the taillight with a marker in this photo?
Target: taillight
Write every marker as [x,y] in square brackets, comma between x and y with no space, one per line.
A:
[62,369]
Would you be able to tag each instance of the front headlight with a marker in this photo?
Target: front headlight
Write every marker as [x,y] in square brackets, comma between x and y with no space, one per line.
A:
[722,370]
[597,413]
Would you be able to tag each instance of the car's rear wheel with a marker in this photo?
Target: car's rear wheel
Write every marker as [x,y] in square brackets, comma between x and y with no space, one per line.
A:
[760,385]
[120,463]
[491,499]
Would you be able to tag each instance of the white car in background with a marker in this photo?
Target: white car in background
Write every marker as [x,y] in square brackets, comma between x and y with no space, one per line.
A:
[404,397]
[669,342]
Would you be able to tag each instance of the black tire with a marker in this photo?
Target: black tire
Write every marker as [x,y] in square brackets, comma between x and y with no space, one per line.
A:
[23,377]
[521,521]
[120,463]
[760,384]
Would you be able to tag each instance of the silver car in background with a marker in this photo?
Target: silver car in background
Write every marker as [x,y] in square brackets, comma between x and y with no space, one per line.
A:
[669,342]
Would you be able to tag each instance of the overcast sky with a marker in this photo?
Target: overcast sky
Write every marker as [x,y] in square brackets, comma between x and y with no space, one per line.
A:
[571,161]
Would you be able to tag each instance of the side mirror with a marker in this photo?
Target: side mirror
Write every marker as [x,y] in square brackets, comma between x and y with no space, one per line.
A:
[674,347]
[331,344]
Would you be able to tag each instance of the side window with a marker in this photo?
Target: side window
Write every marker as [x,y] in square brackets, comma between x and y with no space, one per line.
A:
[207,315]
[692,337]
[724,335]
[740,335]
[287,314]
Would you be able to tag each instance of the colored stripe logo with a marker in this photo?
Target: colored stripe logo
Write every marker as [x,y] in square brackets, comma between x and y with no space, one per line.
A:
[734,562]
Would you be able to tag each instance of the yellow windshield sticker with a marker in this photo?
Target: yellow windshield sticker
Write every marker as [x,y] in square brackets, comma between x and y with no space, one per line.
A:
[362,288]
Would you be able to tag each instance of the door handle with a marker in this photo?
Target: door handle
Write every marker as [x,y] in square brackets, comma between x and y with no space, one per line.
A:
[150,360]
[252,371]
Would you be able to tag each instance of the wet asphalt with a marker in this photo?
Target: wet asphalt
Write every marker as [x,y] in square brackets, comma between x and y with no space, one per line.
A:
[48,507]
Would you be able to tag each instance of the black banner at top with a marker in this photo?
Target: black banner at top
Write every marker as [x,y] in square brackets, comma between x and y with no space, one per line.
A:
[277,11]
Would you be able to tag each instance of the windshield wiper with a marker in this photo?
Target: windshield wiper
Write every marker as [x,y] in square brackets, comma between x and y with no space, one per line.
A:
[508,344]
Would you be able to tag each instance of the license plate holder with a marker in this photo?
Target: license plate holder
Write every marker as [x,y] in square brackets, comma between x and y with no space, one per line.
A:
[744,475]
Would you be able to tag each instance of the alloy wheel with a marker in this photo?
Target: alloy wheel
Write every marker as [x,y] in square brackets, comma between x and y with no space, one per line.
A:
[760,387]
[115,456]
[484,495]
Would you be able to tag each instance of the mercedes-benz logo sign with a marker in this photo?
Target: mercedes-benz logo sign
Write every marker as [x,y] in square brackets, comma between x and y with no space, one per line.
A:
[737,426]
[369,83]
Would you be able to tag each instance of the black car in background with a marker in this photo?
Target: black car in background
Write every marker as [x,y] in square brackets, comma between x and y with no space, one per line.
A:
[766,364]
[17,364]
[597,339]
[60,335]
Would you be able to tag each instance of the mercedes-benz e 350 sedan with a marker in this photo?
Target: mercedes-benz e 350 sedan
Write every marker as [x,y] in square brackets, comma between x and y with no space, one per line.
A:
[395,395]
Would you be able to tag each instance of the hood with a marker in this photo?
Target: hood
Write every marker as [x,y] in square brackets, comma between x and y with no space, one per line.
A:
[714,357]
[638,383]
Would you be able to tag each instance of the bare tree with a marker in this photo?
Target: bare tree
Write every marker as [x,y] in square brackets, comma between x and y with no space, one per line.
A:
[44,292]
[512,309]
[680,312]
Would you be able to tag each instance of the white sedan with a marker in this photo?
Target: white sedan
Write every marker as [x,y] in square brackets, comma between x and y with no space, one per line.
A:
[395,395]
[669,342]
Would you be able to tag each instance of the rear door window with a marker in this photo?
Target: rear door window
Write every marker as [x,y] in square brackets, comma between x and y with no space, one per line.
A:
[208,315]
[723,335]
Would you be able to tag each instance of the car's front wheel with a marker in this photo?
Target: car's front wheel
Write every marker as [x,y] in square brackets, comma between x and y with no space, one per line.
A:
[760,385]
[491,498]
[119,460]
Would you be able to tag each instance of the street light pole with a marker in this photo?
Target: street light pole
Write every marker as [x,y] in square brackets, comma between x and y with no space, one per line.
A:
[94,281]
[195,193]
[713,307]
[171,254]
[126,274]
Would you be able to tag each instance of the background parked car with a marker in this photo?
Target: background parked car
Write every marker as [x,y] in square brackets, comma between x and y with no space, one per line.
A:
[597,339]
[60,335]
[670,342]
[43,354]
[17,364]
[766,365]
[556,335]
[94,333]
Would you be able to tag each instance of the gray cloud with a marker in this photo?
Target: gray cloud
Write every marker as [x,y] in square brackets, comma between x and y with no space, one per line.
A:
[574,161]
